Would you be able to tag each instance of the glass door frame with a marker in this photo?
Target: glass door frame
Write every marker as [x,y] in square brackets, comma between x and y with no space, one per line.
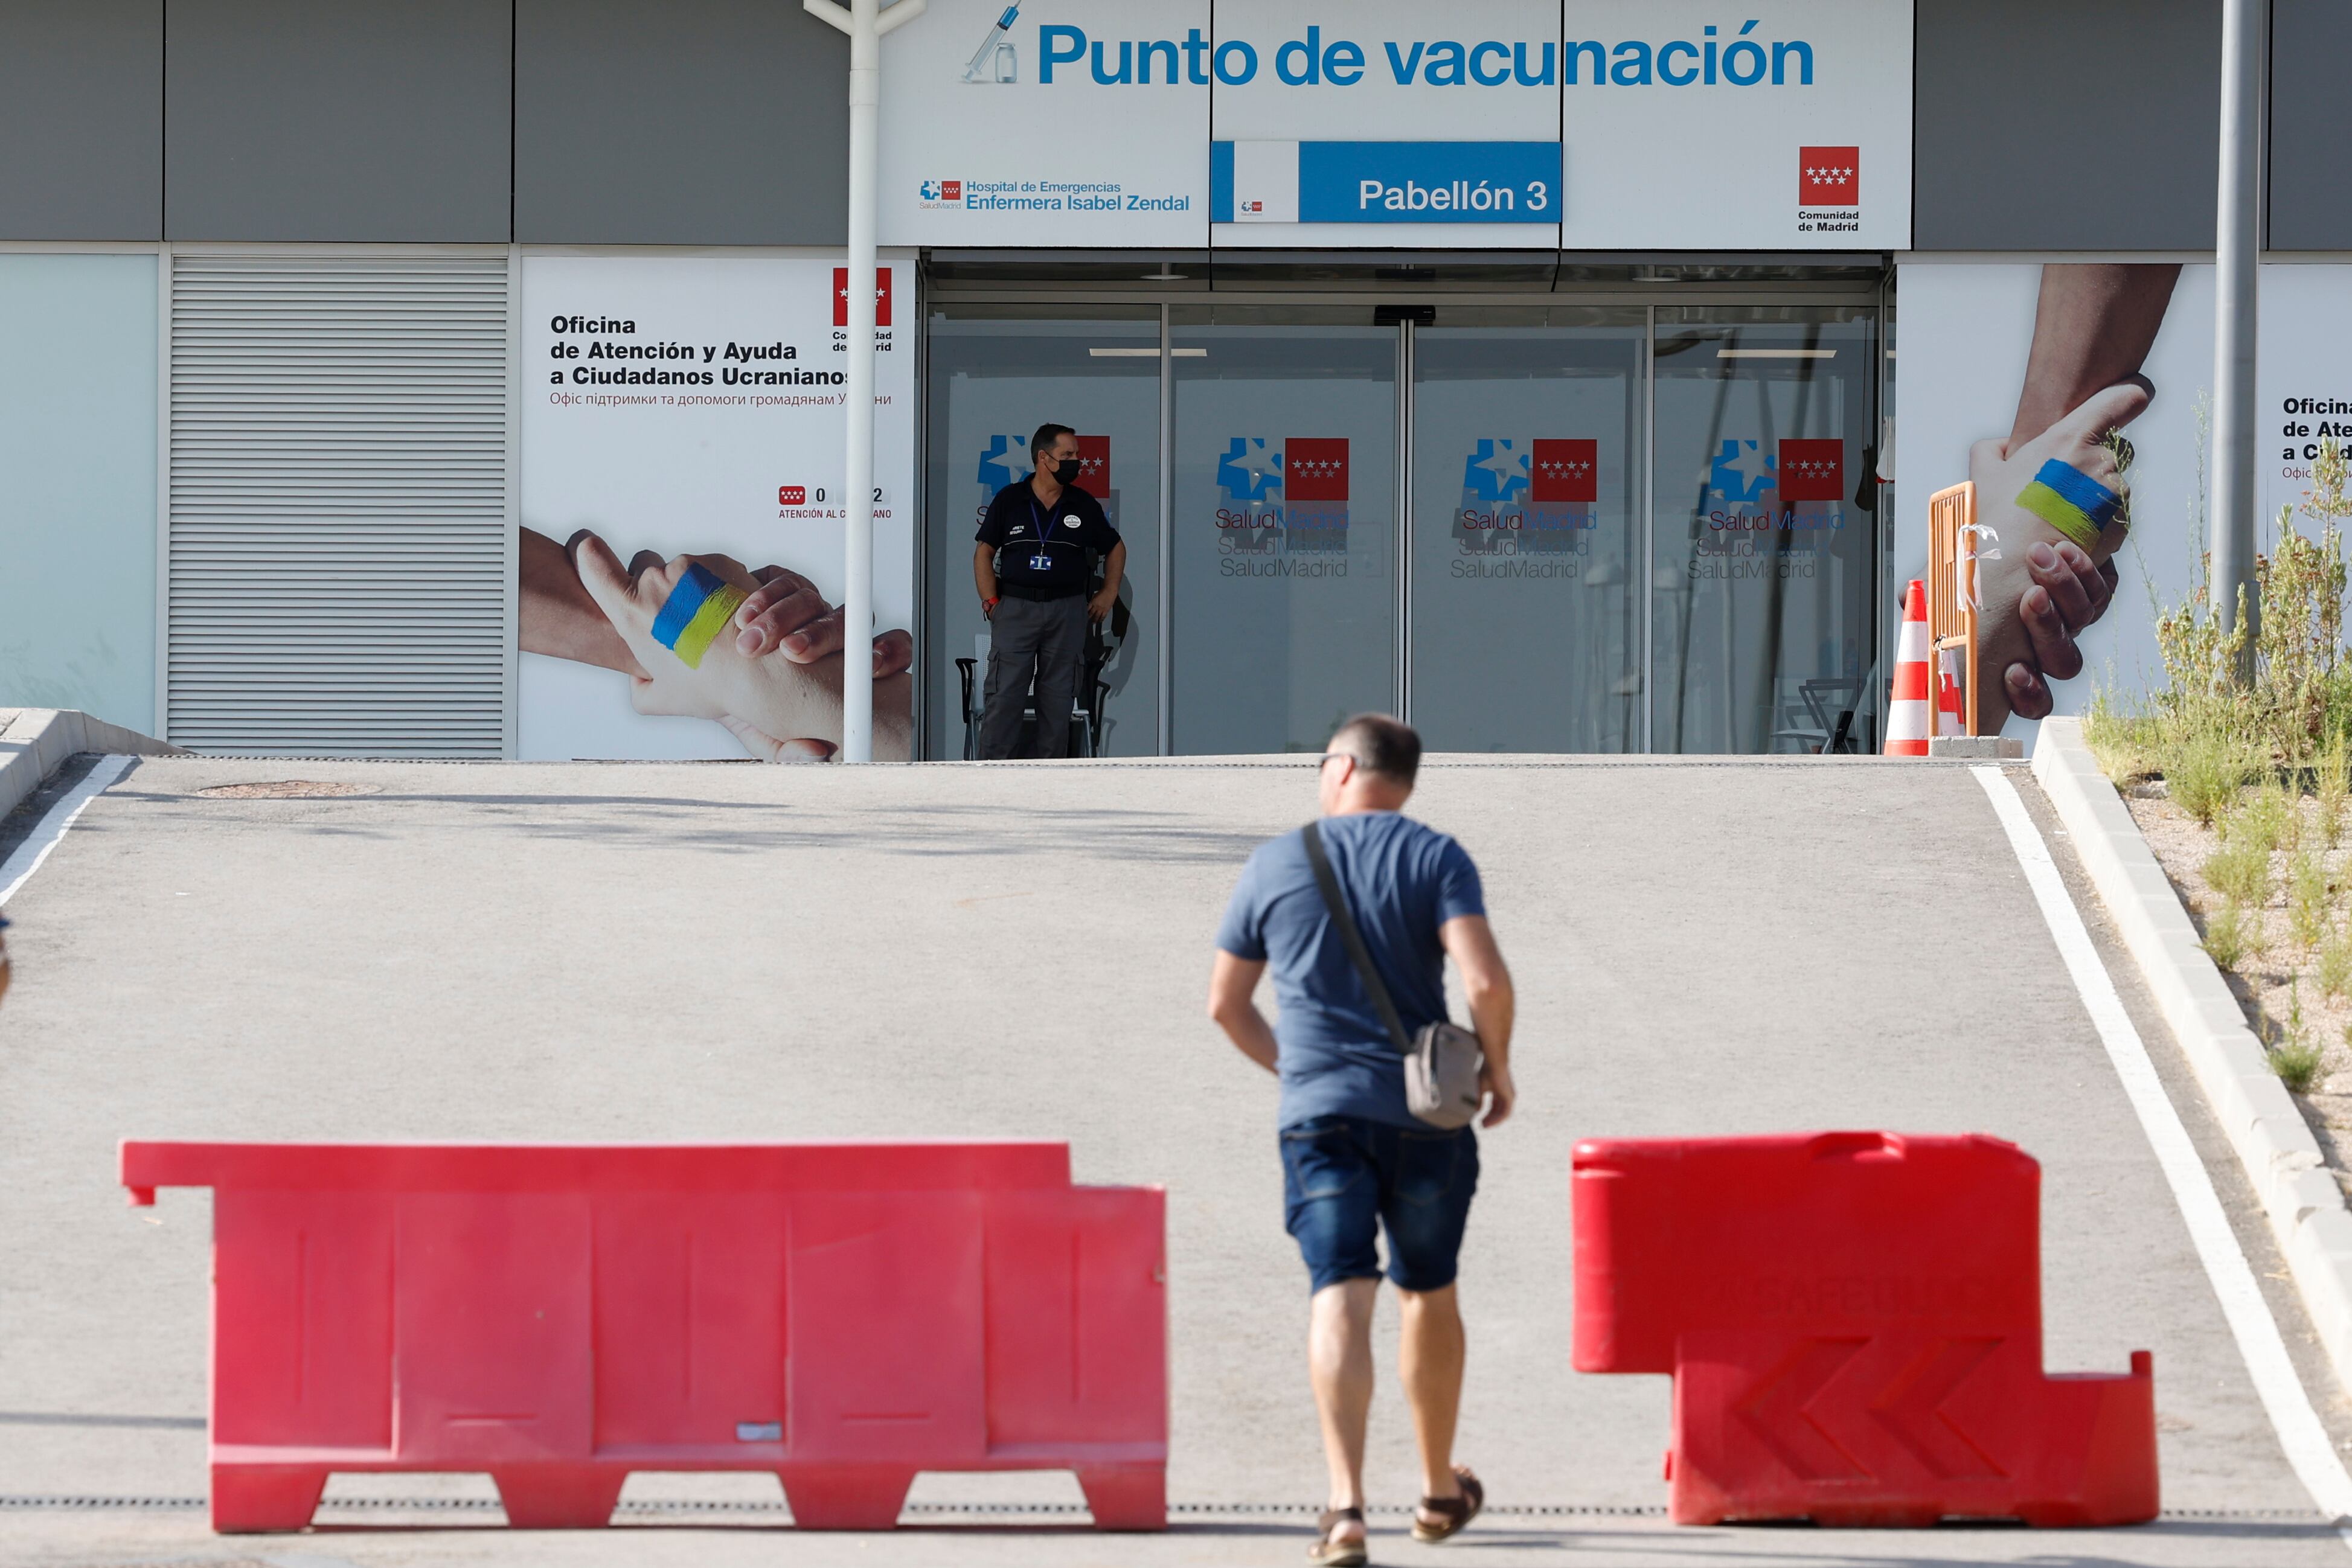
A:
[1408,411]
[1875,297]
[1401,703]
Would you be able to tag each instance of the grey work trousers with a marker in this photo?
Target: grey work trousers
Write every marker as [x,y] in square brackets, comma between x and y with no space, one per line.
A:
[1029,637]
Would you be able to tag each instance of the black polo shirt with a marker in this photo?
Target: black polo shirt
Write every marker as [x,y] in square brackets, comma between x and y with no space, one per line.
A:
[1043,548]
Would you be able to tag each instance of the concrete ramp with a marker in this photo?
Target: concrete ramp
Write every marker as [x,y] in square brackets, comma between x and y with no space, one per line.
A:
[655,951]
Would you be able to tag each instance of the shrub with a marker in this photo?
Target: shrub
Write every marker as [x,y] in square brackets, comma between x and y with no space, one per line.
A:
[2306,896]
[2296,1061]
[2295,1056]
[2203,773]
[2302,582]
[2128,746]
[2283,701]
[2263,820]
[2240,872]
[2336,963]
[2331,785]
[2225,936]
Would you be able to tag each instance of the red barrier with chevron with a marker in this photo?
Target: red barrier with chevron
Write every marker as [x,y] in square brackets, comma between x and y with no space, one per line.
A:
[1854,1324]
[842,1314]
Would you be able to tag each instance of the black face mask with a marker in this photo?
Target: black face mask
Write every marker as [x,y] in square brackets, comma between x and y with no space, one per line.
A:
[1065,472]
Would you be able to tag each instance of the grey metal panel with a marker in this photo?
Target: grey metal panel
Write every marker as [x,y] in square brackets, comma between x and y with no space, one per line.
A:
[2311,121]
[339,570]
[682,122]
[2067,124]
[361,120]
[82,119]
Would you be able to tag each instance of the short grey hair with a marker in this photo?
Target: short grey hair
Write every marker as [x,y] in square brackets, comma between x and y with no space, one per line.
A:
[1382,745]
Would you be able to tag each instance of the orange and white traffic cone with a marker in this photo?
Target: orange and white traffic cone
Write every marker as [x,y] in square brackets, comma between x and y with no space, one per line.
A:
[1951,718]
[1907,703]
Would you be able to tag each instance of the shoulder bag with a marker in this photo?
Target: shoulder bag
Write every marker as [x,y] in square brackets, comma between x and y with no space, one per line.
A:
[1443,1061]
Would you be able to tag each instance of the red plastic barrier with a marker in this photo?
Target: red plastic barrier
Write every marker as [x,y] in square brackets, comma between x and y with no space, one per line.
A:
[1853,1323]
[842,1314]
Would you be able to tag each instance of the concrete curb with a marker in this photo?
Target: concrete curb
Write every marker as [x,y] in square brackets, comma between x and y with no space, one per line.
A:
[2304,1205]
[36,741]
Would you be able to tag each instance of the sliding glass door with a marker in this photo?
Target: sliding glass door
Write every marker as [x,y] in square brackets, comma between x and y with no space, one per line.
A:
[1763,561]
[1285,612]
[1527,472]
[1530,527]
[997,372]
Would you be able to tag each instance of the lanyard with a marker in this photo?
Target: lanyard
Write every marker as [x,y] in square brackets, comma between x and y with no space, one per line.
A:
[1045,527]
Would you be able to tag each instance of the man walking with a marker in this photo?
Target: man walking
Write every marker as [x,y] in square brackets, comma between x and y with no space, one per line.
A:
[1030,566]
[1355,1159]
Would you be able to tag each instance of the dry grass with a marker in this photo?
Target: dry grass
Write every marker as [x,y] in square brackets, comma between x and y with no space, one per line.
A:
[2287,954]
[2255,747]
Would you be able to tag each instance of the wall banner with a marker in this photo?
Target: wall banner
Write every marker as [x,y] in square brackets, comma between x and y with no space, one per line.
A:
[1978,400]
[1786,126]
[1596,124]
[1067,123]
[688,411]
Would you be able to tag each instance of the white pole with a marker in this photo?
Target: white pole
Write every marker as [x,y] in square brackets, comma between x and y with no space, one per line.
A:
[2237,235]
[865,24]
[858,574]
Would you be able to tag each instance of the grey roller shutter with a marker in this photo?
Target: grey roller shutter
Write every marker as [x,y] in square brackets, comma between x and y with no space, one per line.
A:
[339,522]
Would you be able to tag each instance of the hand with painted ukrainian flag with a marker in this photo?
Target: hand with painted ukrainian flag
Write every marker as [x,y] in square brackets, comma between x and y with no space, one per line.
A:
[678,618]
[2059,508]
[786,615]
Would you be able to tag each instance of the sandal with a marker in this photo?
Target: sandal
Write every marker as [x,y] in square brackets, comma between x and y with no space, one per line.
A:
[1454,1513]
[1338,1553]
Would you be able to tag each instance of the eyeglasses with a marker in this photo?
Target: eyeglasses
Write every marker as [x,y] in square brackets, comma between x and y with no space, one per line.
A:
[1331,757]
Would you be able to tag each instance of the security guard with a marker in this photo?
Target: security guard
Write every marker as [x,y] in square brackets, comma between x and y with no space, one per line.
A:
[1030,566]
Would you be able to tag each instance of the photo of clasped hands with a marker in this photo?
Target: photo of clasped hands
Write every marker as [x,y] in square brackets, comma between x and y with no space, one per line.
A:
[772,676]
[2093,326]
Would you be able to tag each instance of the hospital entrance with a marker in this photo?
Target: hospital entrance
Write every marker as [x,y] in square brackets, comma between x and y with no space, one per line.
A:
[1619,521]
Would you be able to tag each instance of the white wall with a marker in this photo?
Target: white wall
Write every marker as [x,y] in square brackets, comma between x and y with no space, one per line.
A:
[77,485]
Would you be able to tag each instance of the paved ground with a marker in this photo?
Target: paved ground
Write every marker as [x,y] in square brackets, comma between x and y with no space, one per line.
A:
[714,951]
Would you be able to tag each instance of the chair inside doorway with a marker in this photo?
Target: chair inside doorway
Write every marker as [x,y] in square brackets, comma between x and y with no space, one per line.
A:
[1821,716]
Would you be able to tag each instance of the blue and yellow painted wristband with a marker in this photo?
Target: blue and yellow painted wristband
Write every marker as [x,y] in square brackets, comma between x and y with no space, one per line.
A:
[696,612]
[2071,502]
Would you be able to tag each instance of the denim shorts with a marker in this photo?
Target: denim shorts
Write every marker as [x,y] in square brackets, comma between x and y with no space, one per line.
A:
[1344,1176]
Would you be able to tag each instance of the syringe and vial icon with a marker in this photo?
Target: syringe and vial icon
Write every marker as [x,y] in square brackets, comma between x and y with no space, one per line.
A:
[994,60]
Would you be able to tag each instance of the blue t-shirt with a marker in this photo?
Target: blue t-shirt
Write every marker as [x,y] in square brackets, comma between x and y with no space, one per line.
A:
[1403,880]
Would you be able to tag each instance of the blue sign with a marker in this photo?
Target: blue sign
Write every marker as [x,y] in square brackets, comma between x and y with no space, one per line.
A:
[1407,183]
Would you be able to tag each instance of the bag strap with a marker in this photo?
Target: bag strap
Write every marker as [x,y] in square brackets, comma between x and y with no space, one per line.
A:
[1353,939]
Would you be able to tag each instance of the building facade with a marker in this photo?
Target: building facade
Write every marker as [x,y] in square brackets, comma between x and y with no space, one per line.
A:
[1527,367]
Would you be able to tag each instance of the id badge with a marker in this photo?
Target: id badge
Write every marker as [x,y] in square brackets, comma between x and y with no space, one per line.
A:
[1041,561]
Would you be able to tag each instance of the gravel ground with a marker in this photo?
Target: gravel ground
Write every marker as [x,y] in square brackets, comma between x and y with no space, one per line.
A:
[2283,974]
